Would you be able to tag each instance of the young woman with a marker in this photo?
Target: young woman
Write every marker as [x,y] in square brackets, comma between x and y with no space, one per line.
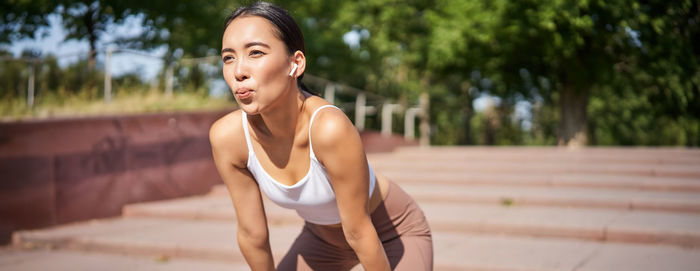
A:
[304,154]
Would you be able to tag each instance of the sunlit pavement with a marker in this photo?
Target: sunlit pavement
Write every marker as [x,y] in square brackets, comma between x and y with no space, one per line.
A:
[501,208]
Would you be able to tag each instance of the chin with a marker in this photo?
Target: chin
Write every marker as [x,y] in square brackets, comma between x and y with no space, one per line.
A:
[249,109]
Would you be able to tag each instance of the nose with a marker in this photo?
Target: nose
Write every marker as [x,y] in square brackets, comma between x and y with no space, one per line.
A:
[240,71]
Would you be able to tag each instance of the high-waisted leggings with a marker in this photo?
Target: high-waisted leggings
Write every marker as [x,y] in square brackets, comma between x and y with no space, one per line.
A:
[400,224]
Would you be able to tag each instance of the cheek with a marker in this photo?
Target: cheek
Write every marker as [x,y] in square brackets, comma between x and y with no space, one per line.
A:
[273,66]
[227,72]
[265,71]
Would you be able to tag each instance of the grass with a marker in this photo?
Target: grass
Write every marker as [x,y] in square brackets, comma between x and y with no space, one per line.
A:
[57,105]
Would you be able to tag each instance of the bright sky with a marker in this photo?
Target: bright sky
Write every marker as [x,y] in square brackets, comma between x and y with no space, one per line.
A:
[70,51]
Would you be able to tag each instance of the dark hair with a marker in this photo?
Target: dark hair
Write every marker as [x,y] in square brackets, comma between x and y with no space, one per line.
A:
[287,29]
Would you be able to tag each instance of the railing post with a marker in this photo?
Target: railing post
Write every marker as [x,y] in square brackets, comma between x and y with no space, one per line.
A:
[108,76]
[30,84]
[329,93]
[360,111]
[169,80]
[424,102]
[387,111]
[409,127]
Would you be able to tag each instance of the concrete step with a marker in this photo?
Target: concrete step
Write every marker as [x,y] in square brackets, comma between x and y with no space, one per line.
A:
[548,154]
[534,158]
[609,225]
[669,201]
[36,259]
[600,181]
[493,252]
[557,196]
[605,225]
[431,164]
[211,207]
[182,238]
[215,240]
[489,208]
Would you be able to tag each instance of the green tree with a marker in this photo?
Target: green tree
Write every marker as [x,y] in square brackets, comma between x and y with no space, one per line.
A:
[459,42]
[571,44]
[188,28]
[655,98]
[192,27]
[13,76]
[89,19]
[23,18]
[327,54]
[83,20]
[562,53]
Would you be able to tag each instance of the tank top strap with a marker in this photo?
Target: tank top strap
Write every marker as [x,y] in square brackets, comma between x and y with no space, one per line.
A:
[311,121]
[244,121]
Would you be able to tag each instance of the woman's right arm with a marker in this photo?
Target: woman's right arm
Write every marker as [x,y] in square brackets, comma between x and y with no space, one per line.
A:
[230,160]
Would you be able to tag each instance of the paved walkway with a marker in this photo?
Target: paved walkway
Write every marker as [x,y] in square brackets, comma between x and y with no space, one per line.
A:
[516,208]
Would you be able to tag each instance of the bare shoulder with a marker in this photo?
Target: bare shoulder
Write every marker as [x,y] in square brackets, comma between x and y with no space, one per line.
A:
[331,127]
[227,138]
[223,130]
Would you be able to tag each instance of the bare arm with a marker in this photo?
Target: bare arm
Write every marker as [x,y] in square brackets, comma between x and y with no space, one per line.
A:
[338,146]
[230,156]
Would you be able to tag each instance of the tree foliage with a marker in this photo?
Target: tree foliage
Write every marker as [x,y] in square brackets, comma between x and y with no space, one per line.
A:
[594,71]
[23,18]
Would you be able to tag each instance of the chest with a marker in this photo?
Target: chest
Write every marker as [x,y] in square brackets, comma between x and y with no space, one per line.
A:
[285,163]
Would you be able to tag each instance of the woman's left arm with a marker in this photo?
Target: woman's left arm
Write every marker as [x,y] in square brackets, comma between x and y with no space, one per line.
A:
[338,146]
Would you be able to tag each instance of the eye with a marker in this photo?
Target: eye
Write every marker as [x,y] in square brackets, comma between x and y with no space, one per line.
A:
[256,53]
[227,58]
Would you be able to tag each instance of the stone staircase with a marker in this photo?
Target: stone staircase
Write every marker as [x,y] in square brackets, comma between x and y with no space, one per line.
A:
[490,208]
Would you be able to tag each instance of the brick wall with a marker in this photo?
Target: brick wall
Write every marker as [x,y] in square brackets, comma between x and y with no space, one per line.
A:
[64,170]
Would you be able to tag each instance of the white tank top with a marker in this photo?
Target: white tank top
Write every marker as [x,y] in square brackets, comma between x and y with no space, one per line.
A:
[312,196]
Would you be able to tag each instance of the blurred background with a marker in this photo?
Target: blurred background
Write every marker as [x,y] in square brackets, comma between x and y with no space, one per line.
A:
[105,107]
[496,72]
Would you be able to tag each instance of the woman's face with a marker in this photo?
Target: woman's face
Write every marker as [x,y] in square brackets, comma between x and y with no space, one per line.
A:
[256,63]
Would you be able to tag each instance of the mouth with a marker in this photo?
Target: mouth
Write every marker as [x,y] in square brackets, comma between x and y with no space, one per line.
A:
[243,93]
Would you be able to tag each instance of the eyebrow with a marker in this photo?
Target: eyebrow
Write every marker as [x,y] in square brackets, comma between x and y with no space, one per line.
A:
[247,45]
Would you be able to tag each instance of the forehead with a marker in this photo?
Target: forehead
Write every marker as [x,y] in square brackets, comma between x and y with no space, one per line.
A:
[249,28]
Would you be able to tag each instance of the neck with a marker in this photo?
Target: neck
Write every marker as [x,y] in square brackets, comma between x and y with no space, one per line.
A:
[282,123]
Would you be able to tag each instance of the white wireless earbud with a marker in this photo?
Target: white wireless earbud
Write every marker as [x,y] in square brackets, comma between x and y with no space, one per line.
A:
[293,69]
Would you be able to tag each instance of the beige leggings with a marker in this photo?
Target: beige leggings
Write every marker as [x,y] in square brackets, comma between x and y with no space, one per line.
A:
[400,224]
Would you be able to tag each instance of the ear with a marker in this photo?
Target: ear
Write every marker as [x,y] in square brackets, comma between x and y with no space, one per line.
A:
[300,59]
